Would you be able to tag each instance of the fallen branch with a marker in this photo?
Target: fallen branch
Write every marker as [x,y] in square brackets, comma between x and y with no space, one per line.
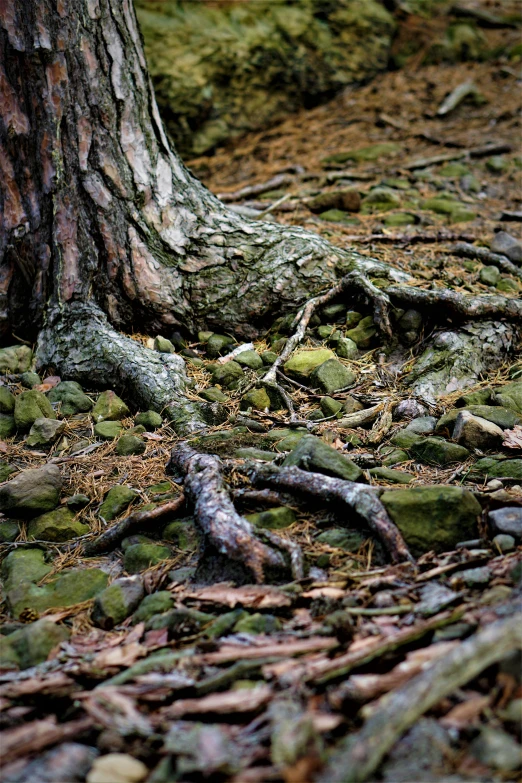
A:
[394,713]
[230,533]
[134,523]
[256,190]
[487,257]
[357,497]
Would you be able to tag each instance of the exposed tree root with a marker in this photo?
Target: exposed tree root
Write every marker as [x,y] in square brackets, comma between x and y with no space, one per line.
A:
[357,497]
[485,255]
[229,532]
[394,713]
[81,345]
[139,522]
[488,306]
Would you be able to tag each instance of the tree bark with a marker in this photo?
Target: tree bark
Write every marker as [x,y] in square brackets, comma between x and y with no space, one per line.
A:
[105,231]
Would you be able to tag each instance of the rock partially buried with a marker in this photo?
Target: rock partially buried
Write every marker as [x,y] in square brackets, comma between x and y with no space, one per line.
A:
[314,455]
[26,564]
[71,397]
[331,376]
[155,603]
[129,445]
[108,430]
[433,517]
[363,334]
[15,359]
[507,520]
[149,419]
[436,451]
[7,426]
[31,405]
[33,643]
[116,501]
[32,492]
[139,557]
[44,432]
[7,400]
[301,365]
[67,589]
[393,476]
[274,518]
[109,407]
[58,525]
[117,602]
[227,375]
[257,399]
[476,433]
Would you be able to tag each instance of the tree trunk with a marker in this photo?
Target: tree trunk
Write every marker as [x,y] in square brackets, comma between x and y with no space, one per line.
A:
[104,230]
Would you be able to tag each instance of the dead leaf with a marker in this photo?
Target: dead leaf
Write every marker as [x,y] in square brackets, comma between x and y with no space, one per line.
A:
[117,768]
[258,596]
[123,655]
[225,703]
[151,436]
[465,714]
[513,438]
[3,446]
[49,383]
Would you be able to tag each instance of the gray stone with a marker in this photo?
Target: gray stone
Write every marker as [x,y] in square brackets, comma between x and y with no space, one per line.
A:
[507,245]
[44,432]
[331,376]
[346,348]
[252,453]
[408,409]
[507,520]
[503,543]
[314,455]
[219,344]
[405,439]
[117,602]
[268,357]
[116,501]
[71,397]
[149,419]
[273,519]
[163,345]
[474,432]
[489,275]
[510,396]
[497,749]
[139,557]
[108,430]
[77,502]
[502,417]
[58,525]
[213,394]
[7,400]
[436,451]
[340,538]
[473,577]
[29,406]
[31,492]
[330,407]
[351,405]
[394,457]
[129,445]
[435,517]
[435,598]
[109,407]
[393,476]
[67,589]
[422,425]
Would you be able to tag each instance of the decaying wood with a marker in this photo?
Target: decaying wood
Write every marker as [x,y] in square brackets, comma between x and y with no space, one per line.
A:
[138,522]
[485,255]
[395,712]
[230,533]
[356,497]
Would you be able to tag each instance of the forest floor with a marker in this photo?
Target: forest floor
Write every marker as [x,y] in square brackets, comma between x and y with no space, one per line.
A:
[178,675]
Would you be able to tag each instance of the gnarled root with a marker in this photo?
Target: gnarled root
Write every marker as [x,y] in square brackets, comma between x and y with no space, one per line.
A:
[222,526]
[81,345]
[357,497]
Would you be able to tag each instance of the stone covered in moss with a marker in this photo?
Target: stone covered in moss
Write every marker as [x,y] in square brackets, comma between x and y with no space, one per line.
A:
[15,359]
[71,397]
[219,344]
[7,400]
[117,602]
[433,517]
[436,451]
[44,432]
[257,399]
[346,348]
[6,470]
[314,455]
[213,394]
[58,525]
[109,407]
[363,334]
[32,491]
[285,439]
[331,376]
[7,426]
[108,430]
[33,643]
[392,476]
[330,407]
[8,656]
[29,406]
[163,345]
[149,419]
[274,518]
[30,379]
[183,533]
[116,500]
[302,363]
[338,537]
[155,603]
[394,457]
[9,531]
[142,556]
[129,445]
[228,374]
[67,589]
[381,199]
[24,564]
[258,624]
[510,396]
[77,502]
[250,359]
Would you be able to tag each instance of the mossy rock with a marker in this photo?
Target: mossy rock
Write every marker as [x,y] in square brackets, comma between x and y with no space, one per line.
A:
[253,453]
[331,376]
[9,531]
[510,396]
[258,624]
[58,525]
[33,643]
[183,533]
[213,394]
[338,537]
[433,518]
[274,518]
[116,500]
[6,470]
[338,216]
[129,445]
[78,501]
[218,344]
[162,345]
[249,359]
[149,419]
[314,455]
[7,426]
[7,400]
[502,417]
[363,334]
[285,439]
[507,468]
[392,476]
[109,407]
[29,406]
[71,397]
[117,602]
[153,604]
[8,656]
[394,457]
[400,219]
[228,374]
[257,399]
[108,430]
[44,432]
[302,363]
[507,286]
[23,565]
[139,557]
[67,589]
[30,379]
[436,451]
[368,153]
[33,491]
[15,359]
[380,199]
[330,407]
[405,439]
[454,169]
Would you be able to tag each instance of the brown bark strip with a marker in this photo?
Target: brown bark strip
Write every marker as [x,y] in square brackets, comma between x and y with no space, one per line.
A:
[356,497]
[134,523]
[34,737]
[230,533]
[394,713]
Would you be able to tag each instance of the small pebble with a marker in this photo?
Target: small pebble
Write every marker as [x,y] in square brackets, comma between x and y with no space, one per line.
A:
[494,484]
[503,542]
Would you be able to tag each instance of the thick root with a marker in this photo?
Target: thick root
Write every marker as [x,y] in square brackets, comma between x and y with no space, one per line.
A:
[231,534]
[81,345]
